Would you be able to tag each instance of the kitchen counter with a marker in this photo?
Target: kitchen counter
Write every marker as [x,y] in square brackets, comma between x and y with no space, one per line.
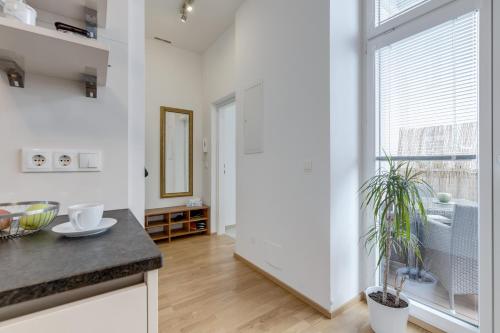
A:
[45,263]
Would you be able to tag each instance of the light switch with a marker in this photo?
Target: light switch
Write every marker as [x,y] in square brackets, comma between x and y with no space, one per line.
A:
[308,166]
[88,161]
[93,161]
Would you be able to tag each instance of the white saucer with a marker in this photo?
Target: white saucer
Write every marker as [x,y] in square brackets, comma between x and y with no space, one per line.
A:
[67,229]
[436,201]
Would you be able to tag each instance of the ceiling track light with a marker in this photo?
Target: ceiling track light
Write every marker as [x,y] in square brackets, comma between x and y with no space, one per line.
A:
[187,7]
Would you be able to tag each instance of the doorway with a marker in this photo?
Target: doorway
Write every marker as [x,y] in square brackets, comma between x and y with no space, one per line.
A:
[226,168]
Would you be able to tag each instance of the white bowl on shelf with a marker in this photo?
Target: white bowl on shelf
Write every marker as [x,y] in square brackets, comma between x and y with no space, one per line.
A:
[19,10]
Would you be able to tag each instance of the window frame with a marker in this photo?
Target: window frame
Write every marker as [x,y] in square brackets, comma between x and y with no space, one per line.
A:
[408,15]
[409,23]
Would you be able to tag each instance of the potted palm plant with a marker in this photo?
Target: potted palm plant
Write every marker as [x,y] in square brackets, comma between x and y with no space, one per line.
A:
[393,196]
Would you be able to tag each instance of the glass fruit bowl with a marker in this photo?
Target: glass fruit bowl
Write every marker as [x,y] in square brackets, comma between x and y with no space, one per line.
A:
[25,218]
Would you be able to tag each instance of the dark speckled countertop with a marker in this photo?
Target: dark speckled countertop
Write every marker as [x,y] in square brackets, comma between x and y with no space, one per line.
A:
[45,263]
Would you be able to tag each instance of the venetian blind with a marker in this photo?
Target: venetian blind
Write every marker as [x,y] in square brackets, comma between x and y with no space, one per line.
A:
[427,90]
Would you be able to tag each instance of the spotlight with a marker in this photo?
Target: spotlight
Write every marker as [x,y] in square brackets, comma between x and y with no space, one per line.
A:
[187,7]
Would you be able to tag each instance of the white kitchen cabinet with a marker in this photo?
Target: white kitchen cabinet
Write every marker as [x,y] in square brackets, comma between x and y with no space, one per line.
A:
[121,311]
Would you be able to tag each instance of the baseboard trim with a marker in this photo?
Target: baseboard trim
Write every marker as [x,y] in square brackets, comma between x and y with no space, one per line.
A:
[325,312]
[348,305]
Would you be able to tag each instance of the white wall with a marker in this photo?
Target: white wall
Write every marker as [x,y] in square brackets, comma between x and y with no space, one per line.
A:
[496,169]
[136,111]
[283,214]
[301,228]
[485,315]
[54,113]
[219,82]
[347,257]
[219,69]
[173,79]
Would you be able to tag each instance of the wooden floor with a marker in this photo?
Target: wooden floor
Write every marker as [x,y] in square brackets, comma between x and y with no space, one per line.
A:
[202,288]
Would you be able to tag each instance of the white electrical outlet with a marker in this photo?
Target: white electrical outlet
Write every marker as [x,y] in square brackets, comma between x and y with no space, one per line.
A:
[60,160]
[36,160]
[65,161]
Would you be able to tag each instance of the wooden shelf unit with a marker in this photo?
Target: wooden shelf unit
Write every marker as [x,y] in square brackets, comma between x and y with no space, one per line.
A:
[176,222]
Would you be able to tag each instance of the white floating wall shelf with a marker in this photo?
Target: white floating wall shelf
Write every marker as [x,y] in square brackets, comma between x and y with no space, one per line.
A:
[74,9]
[53,53]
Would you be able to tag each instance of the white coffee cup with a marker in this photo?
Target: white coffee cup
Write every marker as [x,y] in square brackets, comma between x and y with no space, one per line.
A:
[85,216]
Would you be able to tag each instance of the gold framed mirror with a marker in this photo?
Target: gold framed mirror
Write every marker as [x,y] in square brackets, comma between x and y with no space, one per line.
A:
[176,152]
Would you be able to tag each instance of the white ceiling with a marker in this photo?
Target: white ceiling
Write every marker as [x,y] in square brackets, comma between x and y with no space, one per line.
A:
[208,20]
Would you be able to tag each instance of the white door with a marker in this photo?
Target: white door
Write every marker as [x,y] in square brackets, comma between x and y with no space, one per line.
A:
[227,166]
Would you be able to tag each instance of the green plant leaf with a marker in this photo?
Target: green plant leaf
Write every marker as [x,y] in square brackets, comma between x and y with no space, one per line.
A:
[394,197]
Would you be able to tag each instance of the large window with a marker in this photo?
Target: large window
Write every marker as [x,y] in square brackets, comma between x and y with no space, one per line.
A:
[425,87]
[387,9]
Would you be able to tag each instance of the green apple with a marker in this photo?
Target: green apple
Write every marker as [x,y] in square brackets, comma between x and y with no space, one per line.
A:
[4,222]
[36,221]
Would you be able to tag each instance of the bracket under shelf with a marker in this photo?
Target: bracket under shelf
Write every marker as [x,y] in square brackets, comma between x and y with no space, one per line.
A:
[90,85]
[14,72]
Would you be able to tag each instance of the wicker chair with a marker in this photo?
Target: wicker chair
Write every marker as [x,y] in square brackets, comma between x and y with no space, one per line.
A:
[451,252]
